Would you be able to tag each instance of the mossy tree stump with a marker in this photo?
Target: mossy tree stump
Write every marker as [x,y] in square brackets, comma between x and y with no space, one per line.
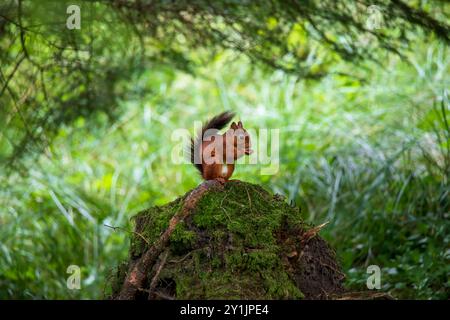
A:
[239,242]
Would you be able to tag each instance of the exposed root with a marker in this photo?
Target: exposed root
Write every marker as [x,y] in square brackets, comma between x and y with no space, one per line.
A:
[137,274]
[234,241]
[155,279]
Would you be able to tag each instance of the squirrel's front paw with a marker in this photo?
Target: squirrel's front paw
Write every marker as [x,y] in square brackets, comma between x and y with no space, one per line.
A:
[221,180]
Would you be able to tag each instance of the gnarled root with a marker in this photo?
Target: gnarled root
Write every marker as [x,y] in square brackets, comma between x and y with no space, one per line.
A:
[137,273]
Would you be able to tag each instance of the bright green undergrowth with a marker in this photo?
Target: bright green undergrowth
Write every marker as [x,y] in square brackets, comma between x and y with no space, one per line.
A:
[371,157]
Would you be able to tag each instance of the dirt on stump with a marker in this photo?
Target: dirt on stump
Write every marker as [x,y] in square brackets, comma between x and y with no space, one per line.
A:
[240,242]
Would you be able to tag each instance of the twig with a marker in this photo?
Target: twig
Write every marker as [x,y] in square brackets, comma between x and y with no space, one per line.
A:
[311,233]
[154,281]
[11,75]
[185,256]
[135,232]
[164,296]
[249,199]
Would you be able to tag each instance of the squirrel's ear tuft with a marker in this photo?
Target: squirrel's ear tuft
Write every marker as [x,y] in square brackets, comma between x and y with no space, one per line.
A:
[234,126]
[240,124]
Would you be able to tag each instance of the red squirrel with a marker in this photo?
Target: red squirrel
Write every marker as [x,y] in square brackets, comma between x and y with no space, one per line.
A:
[214,154]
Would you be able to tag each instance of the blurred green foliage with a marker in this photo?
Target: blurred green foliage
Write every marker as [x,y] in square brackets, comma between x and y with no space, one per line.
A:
[366,150]
[370,157]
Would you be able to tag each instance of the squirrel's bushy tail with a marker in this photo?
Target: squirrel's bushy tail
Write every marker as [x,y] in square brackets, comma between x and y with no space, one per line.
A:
[218,123]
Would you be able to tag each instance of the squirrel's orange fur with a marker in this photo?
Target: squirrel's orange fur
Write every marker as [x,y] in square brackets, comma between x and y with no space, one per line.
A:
[214,154]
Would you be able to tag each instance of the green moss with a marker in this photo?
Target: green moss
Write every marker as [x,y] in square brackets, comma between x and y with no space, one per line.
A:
[246,210]
[182,239]
[150,223]
[116,278]
[228,248]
